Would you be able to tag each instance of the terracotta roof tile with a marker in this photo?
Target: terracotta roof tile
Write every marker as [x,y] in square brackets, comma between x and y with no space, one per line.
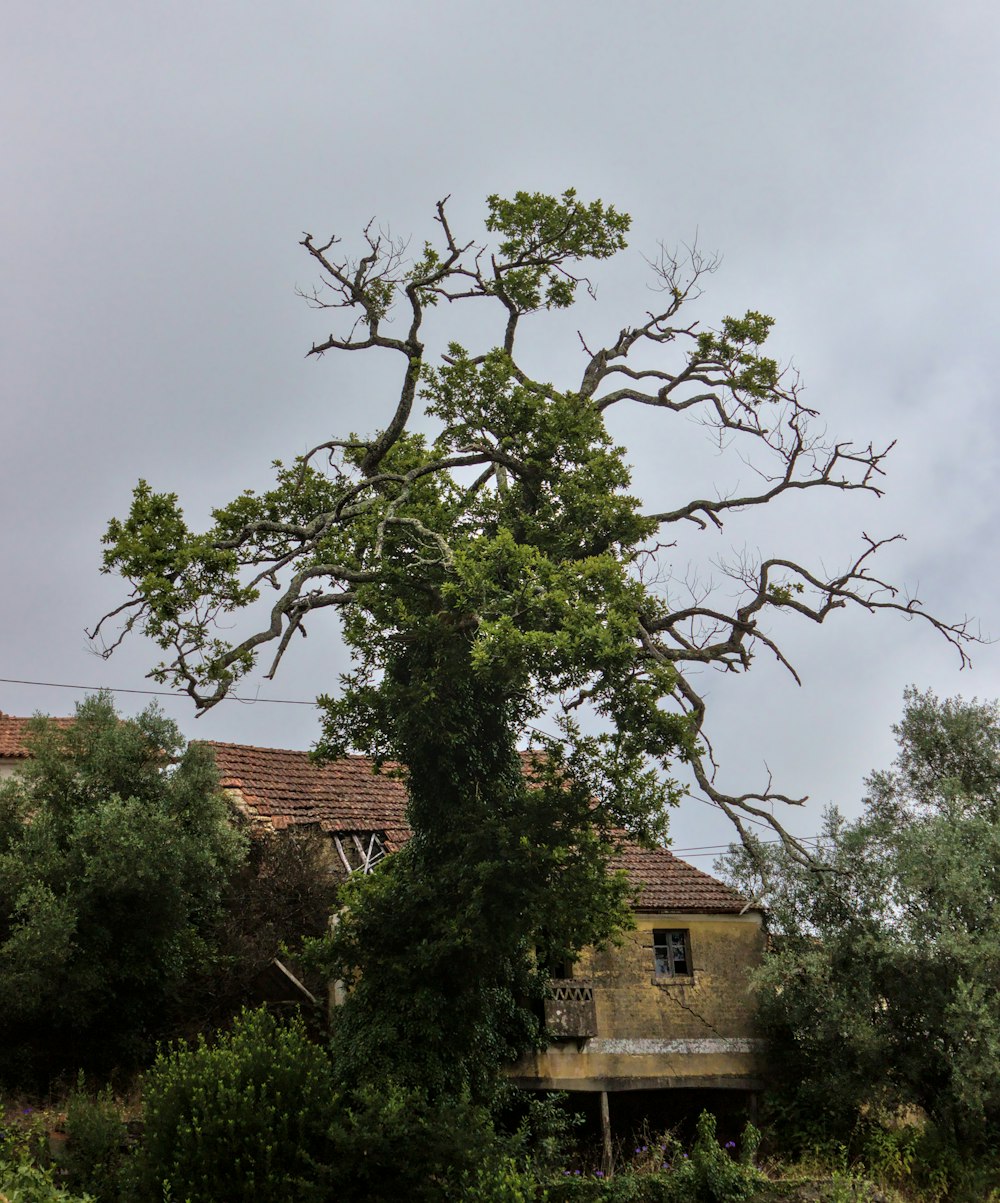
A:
[671,884]
[283,788]
[12,733]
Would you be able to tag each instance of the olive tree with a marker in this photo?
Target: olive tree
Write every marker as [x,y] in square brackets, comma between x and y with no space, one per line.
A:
[880,994]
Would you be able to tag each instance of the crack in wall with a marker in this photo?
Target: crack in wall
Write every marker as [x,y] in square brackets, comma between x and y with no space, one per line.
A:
[691,1011]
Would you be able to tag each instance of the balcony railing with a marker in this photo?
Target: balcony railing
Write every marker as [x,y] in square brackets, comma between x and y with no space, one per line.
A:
[569,1010]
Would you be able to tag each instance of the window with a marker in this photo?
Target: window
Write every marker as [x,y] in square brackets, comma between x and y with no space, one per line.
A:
[671,953]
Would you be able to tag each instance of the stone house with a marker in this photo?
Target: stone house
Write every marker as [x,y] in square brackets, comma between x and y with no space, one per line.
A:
[667,1010]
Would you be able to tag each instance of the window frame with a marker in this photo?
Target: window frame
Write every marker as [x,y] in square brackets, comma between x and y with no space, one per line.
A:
[665,944]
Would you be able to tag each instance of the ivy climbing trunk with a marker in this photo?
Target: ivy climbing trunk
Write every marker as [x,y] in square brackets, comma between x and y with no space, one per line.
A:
[446,944]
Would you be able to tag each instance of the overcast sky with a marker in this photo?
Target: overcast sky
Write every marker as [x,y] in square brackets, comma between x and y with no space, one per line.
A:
[161,160]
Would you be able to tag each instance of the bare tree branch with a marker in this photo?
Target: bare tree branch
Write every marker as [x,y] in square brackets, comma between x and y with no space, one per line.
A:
[400,510]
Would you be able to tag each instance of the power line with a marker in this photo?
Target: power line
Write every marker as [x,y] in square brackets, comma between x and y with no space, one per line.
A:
[155,693]
[690,855]
[707,848]
[696,850]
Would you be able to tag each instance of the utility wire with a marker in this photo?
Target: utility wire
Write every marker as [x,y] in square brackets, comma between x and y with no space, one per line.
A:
[711,849]
[696,850]
[155,693]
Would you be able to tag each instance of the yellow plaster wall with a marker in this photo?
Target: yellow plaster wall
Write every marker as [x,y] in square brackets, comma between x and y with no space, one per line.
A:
[712,1001]
[656,1032]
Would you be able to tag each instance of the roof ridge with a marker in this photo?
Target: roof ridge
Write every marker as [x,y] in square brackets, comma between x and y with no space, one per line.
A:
[226,743]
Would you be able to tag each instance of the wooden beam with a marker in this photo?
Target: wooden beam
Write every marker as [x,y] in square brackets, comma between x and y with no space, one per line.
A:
[606,1155]
[343,855]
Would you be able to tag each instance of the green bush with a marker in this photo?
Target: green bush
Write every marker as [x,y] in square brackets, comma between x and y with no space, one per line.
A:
[709,1174]
[546,1130]
[257,1115]
[242,1120]
[24,1137]
[913,882]
[502,1181]
[922,1158]
[396,1142]
[24,1183]
[95,1153]
[115,848]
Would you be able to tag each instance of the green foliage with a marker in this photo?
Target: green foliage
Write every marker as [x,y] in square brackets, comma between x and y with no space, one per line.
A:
[664,1173]
[24,1138]
[709,1174]
[242,1119]
[95,1155]
[401,1142]
[257,1114]
[491,565]
[177,568]
[115,848]
[541,232]
[24,1183]
[546,1129]
[905,1161]
[504,1181]
[509,875]
[734,349]
[904,895]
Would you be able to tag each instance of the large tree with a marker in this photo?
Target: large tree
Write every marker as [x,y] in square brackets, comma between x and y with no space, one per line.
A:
[881,992]
[489,563]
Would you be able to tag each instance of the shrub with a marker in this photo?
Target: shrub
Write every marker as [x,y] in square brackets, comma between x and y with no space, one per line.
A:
[24,1183]
[709,1174]
[244,1119]
[95,1144]
[115,847]
[24,1137]
[395,1142]
[503,1181]
[257,1116]
[546,1130]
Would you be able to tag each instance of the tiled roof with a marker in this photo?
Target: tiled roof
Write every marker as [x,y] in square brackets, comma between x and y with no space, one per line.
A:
[671,884]
[12,733]
[284,788]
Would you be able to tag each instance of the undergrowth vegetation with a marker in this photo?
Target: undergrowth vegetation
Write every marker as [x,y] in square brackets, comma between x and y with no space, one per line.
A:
[259,1113]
